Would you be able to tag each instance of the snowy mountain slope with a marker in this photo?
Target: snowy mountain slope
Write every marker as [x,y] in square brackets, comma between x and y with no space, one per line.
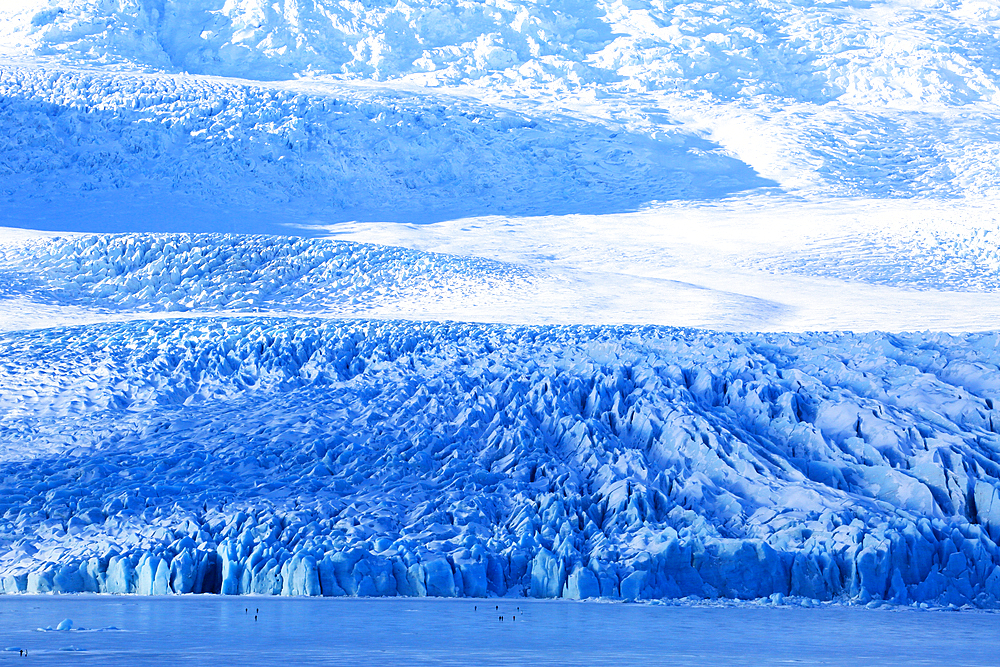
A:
[482,108]
[269,456]
[866,52]
[129,152]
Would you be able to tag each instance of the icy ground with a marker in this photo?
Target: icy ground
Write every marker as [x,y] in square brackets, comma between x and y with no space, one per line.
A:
[222,631]
[254,256]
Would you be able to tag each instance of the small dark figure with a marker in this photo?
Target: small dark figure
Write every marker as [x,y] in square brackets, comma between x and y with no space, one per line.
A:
[21,653]
[255,617]
[498,606]
[513,618]
[475,607]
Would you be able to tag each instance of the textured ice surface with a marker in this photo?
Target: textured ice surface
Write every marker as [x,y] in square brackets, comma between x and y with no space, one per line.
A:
[110,151]
[432,111]
[391,632]
[814,51]
[393,458]
[764,264]
[142,273]
[270,453]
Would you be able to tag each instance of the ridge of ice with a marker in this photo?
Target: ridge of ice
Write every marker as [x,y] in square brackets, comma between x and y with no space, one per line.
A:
[150,273]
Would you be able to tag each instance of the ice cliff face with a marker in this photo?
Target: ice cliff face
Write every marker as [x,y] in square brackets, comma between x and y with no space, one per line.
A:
[365,458]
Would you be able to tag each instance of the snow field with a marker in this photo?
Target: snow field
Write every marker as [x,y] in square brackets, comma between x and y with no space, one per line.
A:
[763,264]
[767,263]
[302,457]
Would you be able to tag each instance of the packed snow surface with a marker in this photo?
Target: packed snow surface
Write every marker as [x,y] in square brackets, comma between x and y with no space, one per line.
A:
[253,386]
[390,632]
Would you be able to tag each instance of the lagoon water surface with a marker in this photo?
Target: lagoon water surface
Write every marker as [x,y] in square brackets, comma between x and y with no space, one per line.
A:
[215,630]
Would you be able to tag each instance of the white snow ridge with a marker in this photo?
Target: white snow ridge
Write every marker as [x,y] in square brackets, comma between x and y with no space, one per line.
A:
[501,299]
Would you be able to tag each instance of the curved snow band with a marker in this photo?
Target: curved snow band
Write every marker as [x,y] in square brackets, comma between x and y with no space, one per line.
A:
[387,458]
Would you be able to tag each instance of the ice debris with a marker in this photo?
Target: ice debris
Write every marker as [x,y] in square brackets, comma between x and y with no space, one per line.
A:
[372,458]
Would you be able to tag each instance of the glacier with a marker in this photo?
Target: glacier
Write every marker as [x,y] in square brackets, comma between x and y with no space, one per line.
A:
[110,150]
[625,300]
[330,457]
[248,116]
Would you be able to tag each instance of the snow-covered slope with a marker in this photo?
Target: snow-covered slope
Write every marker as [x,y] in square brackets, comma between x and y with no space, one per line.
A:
[124,152]
[291,456]
[774,266]
[424,111]
[812,51]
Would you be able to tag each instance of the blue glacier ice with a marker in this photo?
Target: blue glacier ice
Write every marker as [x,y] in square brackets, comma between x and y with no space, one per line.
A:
[192,400]
[381,458]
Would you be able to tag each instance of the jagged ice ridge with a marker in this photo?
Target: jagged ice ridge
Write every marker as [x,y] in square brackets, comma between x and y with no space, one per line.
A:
[392,458]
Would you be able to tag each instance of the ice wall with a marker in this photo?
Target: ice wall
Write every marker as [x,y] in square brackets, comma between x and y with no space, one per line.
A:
[390,458]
